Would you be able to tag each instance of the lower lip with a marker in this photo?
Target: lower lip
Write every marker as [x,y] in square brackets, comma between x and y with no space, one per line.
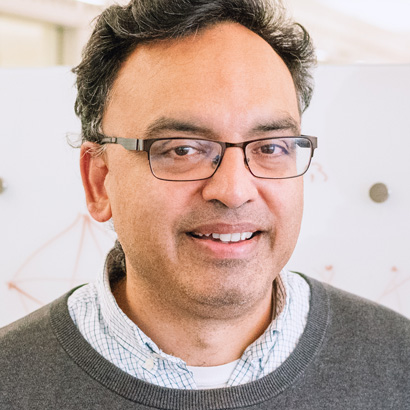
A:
[226,250]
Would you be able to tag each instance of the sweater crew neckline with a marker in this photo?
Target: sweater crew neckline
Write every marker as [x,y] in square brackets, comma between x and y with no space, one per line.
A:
[150,395]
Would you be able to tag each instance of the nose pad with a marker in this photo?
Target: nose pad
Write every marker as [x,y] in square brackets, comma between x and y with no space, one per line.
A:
[232,184]
[217,160]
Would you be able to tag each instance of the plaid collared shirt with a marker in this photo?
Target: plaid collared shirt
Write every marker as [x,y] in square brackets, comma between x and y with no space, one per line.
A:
[112,334]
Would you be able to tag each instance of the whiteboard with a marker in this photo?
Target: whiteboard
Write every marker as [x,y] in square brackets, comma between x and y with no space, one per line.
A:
[49,243]
[360,114]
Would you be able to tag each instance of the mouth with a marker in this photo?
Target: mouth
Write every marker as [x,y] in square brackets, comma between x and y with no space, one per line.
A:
[225,237]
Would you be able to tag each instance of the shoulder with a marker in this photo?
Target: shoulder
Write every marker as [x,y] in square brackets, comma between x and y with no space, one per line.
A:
[371,316]
[365,346]
[349,308]
[25,328]
[359,330]
[31,338]
[33,361]
[37,320]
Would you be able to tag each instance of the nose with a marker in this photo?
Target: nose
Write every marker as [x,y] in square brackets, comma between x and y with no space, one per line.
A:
[232,184]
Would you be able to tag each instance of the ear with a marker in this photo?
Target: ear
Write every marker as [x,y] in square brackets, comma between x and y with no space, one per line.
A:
[94,171]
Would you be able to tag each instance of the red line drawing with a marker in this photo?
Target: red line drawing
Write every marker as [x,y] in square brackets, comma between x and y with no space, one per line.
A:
[317,171]
[30,282]
[393,288]
[328,274]
[12,285]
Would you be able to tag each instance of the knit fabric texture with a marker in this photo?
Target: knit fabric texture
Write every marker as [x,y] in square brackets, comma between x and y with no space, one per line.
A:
[353,354]
[111,333]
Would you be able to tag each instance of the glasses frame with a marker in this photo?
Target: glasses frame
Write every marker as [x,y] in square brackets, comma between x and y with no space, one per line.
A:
[144,145]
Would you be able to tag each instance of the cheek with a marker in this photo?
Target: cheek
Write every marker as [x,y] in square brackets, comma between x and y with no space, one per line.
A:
[145,209]
[125,185]
[285,200]
[294,206]
[286,207]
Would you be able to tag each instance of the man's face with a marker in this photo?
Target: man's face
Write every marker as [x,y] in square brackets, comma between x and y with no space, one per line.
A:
[227,84]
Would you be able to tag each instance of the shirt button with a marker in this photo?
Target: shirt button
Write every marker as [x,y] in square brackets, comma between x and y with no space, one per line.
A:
[149,364]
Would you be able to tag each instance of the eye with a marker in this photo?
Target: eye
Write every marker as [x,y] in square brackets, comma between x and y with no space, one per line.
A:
[271,149]
[176,148]
[184,150]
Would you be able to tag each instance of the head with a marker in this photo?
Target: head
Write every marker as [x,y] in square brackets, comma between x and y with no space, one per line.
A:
[222,70]
[119,30]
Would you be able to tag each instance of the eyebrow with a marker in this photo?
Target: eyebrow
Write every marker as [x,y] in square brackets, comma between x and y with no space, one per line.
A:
[285,123]
[164,124]
[170,124]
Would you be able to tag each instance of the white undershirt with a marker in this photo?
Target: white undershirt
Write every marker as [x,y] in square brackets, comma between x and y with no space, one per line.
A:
[213,377]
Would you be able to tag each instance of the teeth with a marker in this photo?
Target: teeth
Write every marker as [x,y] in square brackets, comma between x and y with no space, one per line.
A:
[235,237]
[232,237]
[225,237]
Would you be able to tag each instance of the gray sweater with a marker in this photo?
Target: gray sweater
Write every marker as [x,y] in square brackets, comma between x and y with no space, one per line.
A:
[353,354]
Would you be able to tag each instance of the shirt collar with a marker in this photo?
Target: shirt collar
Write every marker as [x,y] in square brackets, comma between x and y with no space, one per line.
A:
[266,342]
[121,327]
[131,337]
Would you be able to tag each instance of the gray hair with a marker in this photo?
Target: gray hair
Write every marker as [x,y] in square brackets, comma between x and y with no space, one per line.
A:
[119,29]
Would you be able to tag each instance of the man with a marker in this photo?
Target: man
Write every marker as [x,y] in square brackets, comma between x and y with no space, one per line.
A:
[192,145]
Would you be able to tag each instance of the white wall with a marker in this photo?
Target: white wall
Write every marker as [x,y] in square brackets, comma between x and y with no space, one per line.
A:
[360,114]
[48,243]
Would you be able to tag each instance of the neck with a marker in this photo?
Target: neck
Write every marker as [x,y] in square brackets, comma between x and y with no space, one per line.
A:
[200,340]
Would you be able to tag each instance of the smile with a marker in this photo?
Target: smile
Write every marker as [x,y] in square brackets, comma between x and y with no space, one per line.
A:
[225,237]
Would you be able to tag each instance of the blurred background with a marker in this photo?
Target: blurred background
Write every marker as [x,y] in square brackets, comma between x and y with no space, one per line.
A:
[53,32]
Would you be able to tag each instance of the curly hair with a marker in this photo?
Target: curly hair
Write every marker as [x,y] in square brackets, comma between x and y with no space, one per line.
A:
[119,29]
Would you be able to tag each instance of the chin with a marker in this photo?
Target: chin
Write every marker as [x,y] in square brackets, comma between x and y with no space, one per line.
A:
[225,302]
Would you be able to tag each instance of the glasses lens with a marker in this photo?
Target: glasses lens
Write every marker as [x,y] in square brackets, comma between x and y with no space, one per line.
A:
[184,159]
[279,157]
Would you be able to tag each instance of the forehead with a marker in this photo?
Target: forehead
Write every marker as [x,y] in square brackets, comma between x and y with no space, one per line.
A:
[225,75]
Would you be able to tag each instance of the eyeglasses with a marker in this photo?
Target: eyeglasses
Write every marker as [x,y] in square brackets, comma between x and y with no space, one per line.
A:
[193,159]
